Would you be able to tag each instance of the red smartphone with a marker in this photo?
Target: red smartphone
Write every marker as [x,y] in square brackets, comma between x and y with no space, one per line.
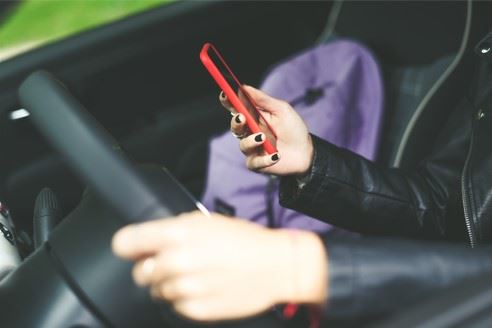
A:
[237,95]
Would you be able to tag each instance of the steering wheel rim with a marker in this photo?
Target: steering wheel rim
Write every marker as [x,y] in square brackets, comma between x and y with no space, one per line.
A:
[92,152]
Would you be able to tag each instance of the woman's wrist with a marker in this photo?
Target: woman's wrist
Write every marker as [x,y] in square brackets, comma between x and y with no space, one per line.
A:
[308,156]
[303,266]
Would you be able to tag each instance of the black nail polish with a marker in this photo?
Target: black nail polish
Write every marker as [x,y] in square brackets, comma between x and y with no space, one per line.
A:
[222,95]
[238,119]
[259,138]
[275,157]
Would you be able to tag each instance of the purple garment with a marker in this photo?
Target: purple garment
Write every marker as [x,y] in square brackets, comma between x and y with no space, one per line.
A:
[337,89]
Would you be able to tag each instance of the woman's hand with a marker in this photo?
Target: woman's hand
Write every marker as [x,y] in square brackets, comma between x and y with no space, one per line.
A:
[294,144]
[217,268]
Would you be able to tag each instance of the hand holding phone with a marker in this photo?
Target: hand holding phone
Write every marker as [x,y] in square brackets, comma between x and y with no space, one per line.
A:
[237,95]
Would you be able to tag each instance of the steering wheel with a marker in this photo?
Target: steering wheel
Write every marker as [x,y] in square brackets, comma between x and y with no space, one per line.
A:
[94,154]
[74,279]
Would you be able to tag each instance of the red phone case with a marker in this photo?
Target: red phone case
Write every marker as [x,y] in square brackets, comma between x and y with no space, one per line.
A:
[231,94]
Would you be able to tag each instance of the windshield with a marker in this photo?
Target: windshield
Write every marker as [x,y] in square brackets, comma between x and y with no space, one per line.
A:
[27,24]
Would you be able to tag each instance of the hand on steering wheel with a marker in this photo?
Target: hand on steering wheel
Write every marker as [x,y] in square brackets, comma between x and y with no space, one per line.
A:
[217,268]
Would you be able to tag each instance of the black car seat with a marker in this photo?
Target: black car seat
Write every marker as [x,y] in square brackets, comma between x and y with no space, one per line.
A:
[420,46]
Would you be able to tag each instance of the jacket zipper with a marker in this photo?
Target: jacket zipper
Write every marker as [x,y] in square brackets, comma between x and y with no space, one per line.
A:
[465,196]
[467,213]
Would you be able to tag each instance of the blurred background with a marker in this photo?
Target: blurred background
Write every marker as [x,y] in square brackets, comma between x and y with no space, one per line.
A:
[25,24]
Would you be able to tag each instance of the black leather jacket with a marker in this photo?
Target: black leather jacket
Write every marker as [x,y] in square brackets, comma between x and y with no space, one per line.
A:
[448,198]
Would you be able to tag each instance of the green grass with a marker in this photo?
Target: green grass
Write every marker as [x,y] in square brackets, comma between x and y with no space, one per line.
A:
[41,21]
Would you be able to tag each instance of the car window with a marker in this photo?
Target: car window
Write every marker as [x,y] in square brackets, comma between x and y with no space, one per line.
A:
[27,24]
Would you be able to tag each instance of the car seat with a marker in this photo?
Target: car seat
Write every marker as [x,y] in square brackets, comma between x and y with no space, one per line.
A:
[424,63]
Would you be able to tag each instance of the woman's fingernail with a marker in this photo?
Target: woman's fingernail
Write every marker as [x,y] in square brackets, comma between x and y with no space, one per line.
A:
[222,95]
[238,118]
[259,138]
[275,157]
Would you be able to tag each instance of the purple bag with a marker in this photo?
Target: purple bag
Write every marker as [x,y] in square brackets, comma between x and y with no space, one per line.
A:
[337,89]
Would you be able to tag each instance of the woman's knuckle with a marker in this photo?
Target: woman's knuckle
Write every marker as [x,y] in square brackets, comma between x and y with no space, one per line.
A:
[243,145]
[183,288]
[197,310]
[250,163]
[284,105]
[183,261]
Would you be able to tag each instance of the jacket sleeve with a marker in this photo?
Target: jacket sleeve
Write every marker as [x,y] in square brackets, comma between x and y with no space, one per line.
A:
[348,191]
[369,278]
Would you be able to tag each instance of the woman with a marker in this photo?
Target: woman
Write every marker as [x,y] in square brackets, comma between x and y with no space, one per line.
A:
[215,268]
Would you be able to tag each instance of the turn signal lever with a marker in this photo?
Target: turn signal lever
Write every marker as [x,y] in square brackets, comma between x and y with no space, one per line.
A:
[47,214]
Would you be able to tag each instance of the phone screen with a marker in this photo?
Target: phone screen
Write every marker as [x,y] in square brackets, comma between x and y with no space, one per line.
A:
[242,94]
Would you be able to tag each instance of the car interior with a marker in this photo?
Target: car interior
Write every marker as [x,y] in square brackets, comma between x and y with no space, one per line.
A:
[141,78]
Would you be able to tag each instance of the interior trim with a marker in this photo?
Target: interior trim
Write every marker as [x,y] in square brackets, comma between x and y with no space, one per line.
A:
[331,22]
